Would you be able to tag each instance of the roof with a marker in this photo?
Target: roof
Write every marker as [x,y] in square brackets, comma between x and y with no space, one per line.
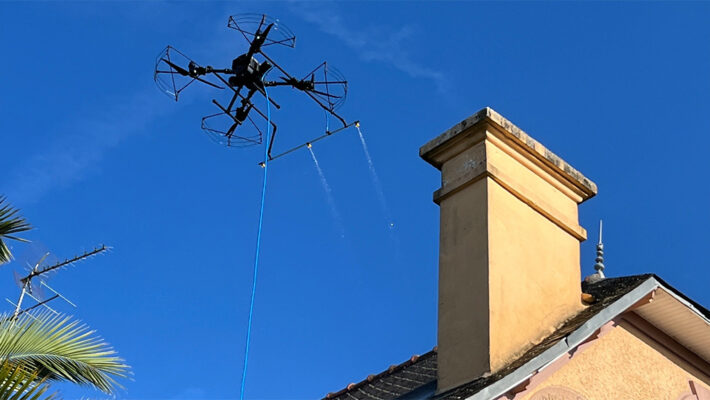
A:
[683,320]
[394,382]
[416,377]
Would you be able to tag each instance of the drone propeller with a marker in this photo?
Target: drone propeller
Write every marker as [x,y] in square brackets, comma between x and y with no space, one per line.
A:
[259,38]
[168,74]
[190,73]
[330,86]
[332,96]
[249,26]
[177,68]
[329,91]
[221,128]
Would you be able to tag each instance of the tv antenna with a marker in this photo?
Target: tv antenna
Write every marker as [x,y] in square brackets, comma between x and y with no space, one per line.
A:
[237,123]
[29,288]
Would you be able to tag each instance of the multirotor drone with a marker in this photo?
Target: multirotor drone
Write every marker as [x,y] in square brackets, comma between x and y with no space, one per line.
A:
[240,123]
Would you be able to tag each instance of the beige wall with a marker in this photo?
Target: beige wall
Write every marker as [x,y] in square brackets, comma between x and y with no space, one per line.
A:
[463,324]
[509,272]
[626,363]
[534,277]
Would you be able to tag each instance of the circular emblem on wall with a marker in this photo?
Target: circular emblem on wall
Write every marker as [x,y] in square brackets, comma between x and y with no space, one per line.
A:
[557,393]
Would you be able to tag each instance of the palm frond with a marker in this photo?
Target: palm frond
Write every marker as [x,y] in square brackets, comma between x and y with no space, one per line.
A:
[59,348]
[16,383]
[10,224]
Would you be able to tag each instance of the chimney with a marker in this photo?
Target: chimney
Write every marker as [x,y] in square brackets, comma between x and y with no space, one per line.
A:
[509,268]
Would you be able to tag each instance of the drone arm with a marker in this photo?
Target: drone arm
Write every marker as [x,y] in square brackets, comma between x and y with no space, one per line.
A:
[288,76]
[231,102]
[224,110]
[273,125]
[221,71]
[331,112]
[275,83]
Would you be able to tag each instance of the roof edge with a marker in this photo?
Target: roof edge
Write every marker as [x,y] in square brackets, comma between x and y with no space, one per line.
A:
[685,300]
[572,340]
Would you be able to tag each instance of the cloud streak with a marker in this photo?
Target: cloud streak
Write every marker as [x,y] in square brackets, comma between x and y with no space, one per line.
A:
[373,43]
[82,143]
[71,157]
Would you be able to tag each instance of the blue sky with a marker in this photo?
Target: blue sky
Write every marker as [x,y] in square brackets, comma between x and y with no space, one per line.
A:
[94,153]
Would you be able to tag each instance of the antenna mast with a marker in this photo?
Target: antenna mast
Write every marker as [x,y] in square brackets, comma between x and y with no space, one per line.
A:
[26,287]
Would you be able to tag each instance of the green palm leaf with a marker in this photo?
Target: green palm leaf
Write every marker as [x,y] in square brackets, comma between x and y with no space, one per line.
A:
[10,224]
[59,348]
[16,383]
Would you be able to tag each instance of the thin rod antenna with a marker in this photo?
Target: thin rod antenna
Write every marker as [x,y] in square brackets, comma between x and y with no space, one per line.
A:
[41,260]
[26,282]
[600,230]
[31,307]
[64,263]
[599,265]
[44,303]
[36,271]
[58,294]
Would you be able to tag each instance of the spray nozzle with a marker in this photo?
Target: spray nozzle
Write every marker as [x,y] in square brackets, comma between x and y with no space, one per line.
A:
[309,145]
[262,164]
[357,124]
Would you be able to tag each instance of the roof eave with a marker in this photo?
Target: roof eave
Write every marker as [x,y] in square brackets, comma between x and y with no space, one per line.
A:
[570,342]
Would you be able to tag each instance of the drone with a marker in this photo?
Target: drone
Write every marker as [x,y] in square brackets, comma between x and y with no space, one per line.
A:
[237,124]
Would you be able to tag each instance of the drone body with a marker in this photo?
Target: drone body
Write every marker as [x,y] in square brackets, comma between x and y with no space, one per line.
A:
[235,125]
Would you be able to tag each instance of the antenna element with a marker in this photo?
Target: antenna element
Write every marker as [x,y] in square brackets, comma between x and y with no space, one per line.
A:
[38,272]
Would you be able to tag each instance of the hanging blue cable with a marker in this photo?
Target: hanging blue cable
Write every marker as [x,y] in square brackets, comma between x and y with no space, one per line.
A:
[258,245]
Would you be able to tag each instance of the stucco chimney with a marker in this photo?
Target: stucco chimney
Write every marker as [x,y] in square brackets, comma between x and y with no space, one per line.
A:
[509,269]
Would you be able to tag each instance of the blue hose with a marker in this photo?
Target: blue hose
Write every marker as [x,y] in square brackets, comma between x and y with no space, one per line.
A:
[258,245]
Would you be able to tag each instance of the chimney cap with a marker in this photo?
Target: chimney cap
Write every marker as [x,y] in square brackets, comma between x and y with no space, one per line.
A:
[487,116]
